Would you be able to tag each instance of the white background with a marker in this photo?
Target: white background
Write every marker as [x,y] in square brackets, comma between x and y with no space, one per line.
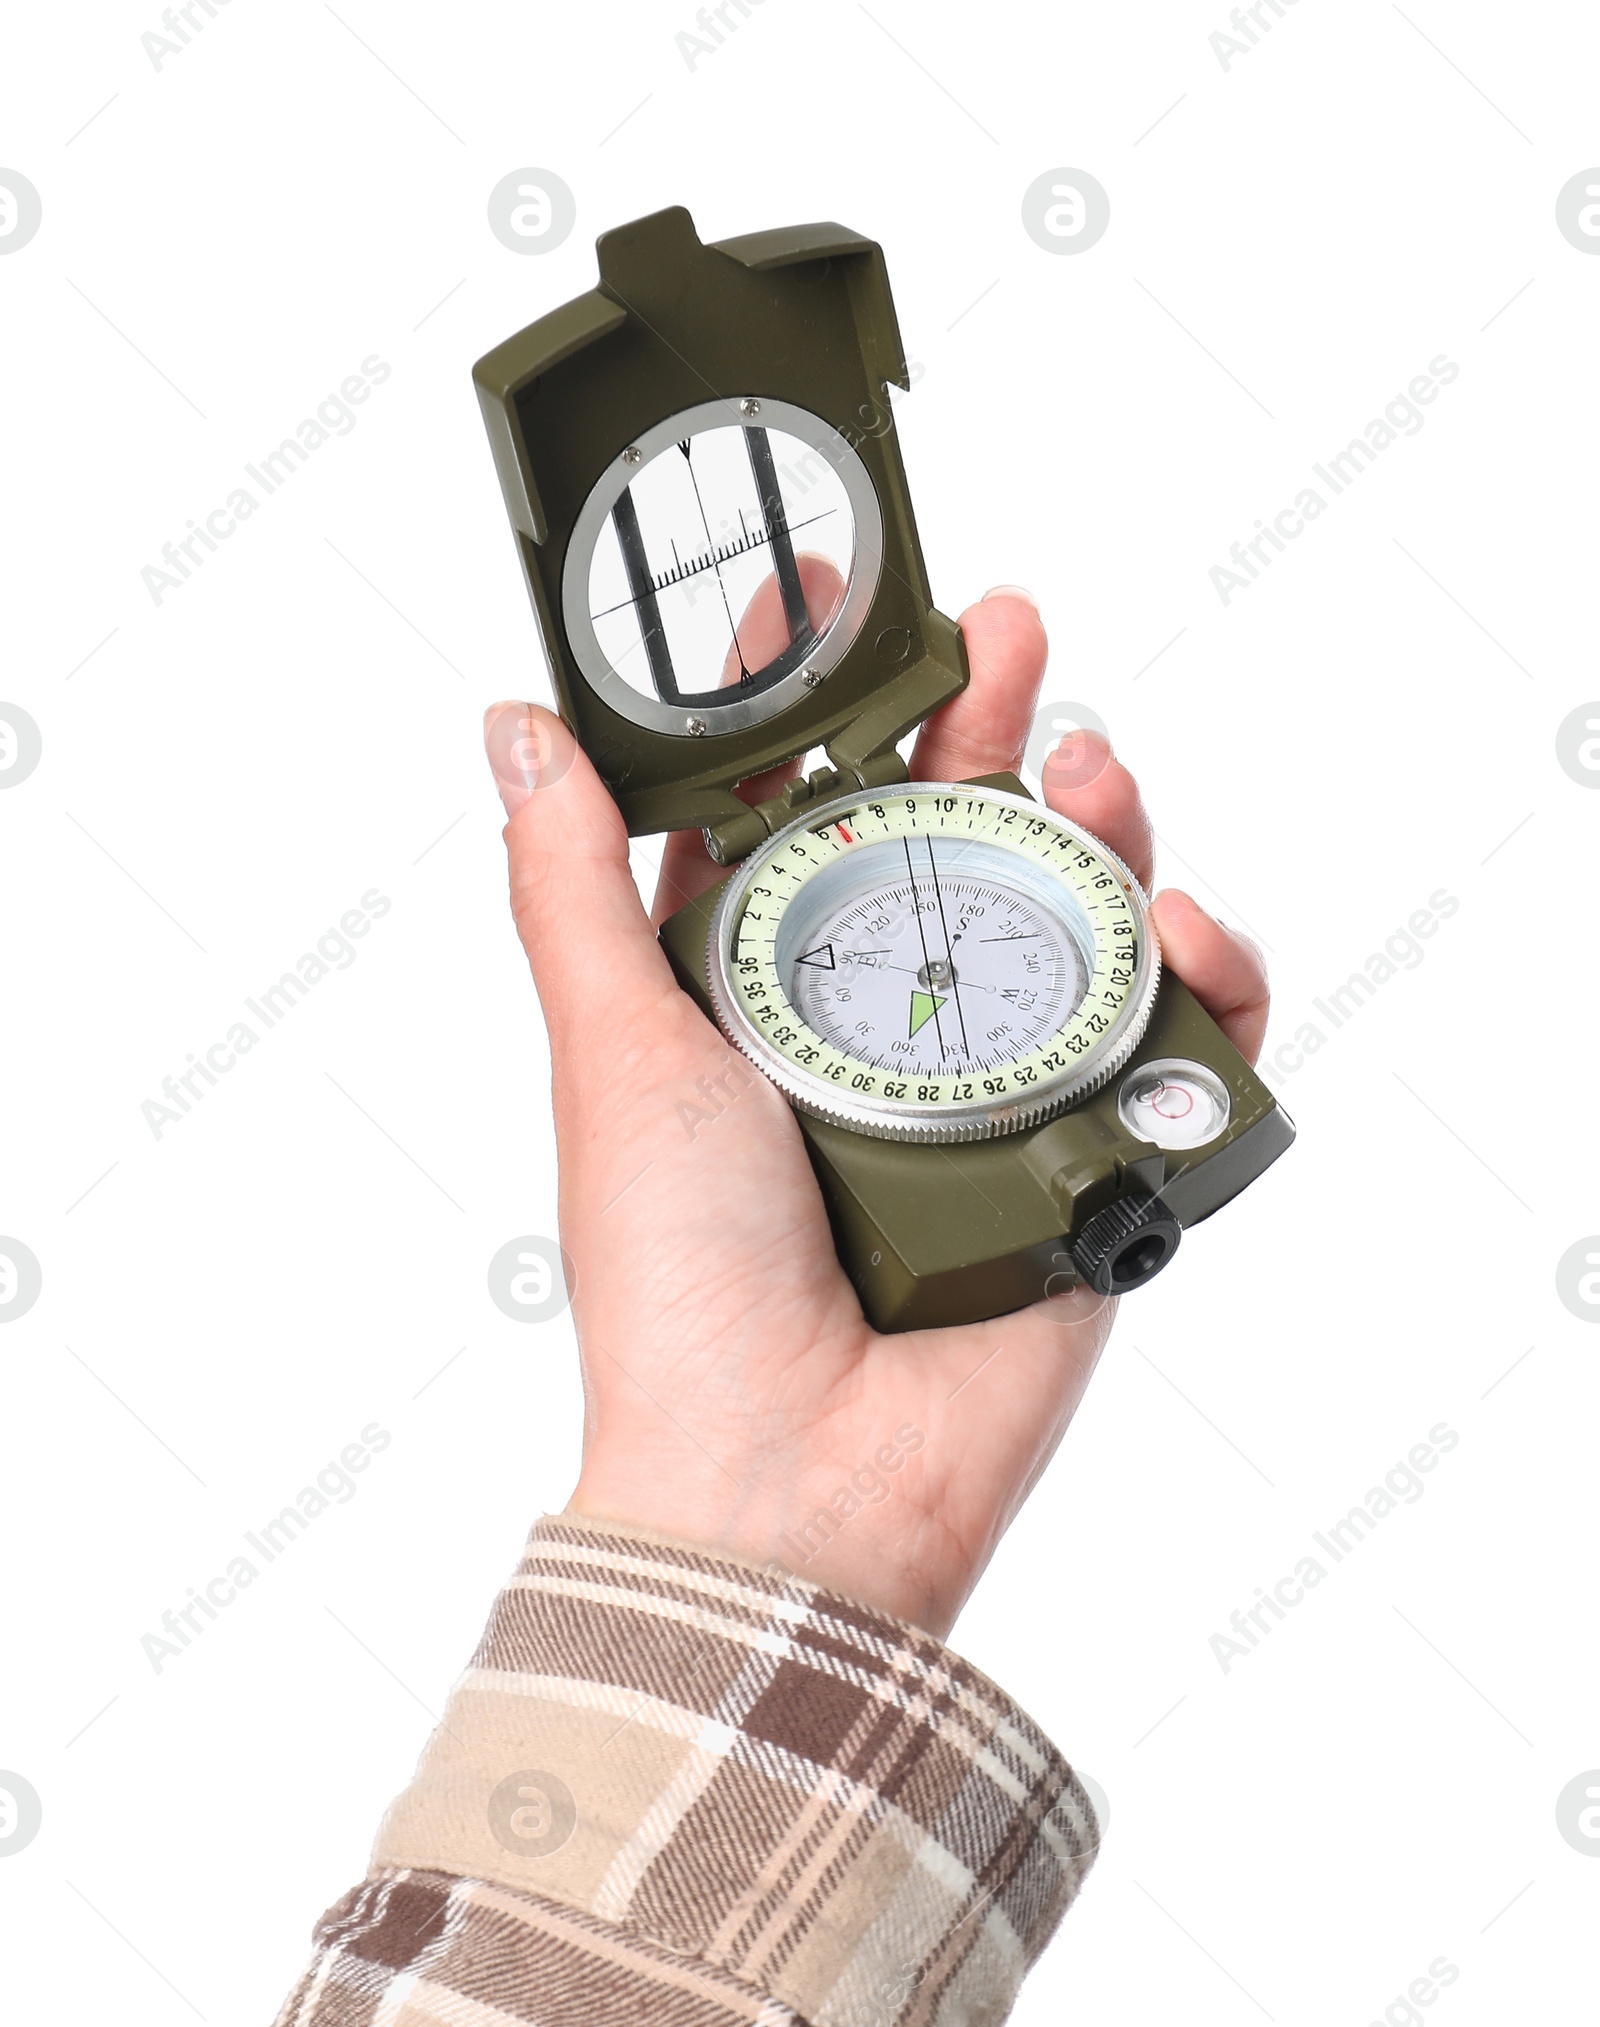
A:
[225,773]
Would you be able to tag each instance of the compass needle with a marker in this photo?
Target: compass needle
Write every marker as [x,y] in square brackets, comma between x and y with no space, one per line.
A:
[966,1047]
[922,937]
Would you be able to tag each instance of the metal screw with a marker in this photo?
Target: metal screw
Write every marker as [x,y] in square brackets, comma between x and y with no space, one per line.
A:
[695,727]
[749,406]
[632,455]
[812,678]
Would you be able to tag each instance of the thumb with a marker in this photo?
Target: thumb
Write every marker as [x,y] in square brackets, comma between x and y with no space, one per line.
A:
[573,897]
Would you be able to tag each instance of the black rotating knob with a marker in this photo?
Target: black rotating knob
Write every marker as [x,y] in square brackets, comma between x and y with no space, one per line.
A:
[1126,1244]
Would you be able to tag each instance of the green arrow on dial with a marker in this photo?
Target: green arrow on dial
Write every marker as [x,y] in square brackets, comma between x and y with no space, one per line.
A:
[924,1005]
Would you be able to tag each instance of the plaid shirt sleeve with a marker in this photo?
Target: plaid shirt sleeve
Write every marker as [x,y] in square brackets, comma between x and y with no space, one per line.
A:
[678,1789]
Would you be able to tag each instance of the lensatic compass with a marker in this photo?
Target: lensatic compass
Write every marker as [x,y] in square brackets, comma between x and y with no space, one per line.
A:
[960,993]
[935,964]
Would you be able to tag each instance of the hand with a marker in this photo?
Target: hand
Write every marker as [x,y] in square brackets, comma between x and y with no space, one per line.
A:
[733,1388]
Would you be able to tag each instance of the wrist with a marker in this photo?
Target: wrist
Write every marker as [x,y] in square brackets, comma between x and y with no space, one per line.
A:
[859,1529]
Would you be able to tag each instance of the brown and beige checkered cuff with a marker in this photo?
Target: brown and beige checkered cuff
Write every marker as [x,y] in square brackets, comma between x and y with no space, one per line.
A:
[678,1789]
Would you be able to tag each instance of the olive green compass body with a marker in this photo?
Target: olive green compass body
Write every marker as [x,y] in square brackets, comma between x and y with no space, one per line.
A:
[960,992]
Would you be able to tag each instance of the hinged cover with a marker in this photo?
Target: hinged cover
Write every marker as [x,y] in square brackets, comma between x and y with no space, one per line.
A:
[780,345]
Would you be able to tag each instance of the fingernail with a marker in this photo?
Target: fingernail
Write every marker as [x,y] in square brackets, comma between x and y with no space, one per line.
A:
[1010,591]
[513,753]
[1079,757]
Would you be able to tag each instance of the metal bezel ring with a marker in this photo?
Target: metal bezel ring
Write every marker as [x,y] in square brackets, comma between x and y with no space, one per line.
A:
[830,648]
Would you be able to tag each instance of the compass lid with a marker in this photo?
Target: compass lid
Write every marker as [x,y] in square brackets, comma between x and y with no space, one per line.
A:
[700,465]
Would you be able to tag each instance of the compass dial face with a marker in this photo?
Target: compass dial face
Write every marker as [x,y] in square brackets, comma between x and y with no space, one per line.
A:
[934,962]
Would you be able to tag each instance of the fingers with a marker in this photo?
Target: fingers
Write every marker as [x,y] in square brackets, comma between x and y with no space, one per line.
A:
[763,633]
[1224,970]
[983,731]
[687,868]
[1084,782]
[576,907]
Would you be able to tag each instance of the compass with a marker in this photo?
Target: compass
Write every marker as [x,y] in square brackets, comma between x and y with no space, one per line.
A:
[938,965]
[960,993]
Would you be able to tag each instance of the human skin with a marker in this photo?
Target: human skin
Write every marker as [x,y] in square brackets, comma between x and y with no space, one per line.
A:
[732,1386]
